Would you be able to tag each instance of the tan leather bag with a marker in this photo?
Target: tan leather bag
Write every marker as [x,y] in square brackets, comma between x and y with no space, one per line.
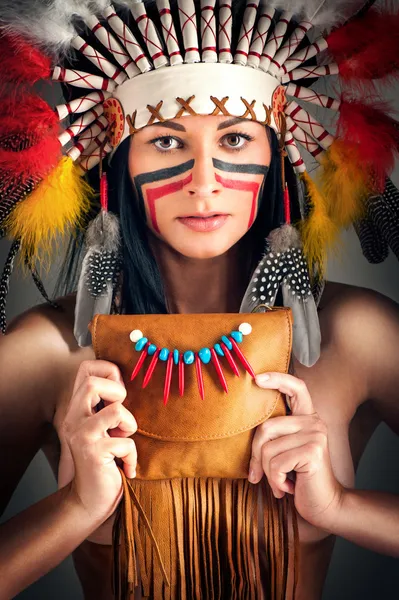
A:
[190,514]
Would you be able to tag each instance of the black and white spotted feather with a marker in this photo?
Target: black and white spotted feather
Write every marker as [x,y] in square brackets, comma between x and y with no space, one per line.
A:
[5,282]
[374,247]
[99,274]
[285,266]
[40,286]
[380,227]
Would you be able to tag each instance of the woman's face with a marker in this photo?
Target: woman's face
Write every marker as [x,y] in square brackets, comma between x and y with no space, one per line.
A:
[199,180]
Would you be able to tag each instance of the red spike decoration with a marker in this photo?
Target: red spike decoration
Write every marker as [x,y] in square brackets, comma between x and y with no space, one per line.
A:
[242,358]
[168,379]
[181,375]
[200,377]
[230,359]
[219,370]
[140,362]
[151,368]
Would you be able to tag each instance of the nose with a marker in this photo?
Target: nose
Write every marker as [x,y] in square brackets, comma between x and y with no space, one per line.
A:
[203,183]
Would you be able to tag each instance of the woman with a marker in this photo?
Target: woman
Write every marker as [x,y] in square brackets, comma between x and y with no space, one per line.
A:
[203,231]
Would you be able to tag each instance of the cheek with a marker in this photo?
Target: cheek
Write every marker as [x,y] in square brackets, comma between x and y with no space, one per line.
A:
[158,200]
[245,195]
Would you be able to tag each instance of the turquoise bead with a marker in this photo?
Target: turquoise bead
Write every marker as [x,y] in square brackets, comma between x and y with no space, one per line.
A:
[164,354]
[140,344]
[188,357]
[176,357]
[152,349]
[227,342]
[218,349]
[205,355]
[237,336]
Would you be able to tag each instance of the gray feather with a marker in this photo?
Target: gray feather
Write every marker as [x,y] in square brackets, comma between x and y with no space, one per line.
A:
[306,327]
[98,275]
[284,237]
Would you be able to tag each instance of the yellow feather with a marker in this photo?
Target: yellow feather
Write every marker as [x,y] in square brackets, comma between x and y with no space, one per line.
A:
[318,231]
[53,209]
[344,183]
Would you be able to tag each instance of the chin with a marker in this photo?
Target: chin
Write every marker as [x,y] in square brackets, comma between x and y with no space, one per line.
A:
[203,250]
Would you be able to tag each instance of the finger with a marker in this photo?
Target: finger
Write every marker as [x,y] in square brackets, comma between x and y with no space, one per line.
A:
[125,449]
[90,393]
[98,368]
[270,430]
[300,400]
[269,449]
[112,416]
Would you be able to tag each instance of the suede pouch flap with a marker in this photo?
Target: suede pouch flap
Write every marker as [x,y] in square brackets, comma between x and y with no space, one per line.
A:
[189,418]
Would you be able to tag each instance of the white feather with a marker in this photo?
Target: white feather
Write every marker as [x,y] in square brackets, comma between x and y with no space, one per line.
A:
[322,13]
[49,23]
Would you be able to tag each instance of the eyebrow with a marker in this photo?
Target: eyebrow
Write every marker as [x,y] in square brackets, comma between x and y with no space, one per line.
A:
[179,127]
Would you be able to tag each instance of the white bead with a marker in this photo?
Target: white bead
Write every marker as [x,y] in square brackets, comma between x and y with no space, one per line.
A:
[136,335]
[245,328]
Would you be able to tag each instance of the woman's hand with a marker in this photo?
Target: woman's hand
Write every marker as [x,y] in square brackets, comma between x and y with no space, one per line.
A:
[296,443]
[91,440]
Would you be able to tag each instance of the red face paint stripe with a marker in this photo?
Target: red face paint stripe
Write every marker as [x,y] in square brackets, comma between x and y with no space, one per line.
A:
[154,194]
[243,186]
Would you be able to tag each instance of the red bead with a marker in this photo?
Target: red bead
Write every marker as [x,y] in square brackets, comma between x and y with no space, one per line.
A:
[242,358]
[181,375]
[200,377]
[219,370]
[168,378]
[230,359]
[104,192]
[287,205]
[151,368]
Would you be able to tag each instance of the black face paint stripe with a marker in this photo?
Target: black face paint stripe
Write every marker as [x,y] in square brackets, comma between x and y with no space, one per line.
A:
[153,176]
[233,168]
[159,175]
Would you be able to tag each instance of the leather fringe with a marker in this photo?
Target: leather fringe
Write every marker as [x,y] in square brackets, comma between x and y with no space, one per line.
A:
[195,538]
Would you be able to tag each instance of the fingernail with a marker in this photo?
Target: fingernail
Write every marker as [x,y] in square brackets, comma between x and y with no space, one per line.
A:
[262,378]
[252,475]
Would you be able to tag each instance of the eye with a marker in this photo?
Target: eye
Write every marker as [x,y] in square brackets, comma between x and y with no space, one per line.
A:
[165,143]
[237,141]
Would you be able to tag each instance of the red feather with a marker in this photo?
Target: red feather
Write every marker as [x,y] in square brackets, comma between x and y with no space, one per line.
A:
[21,62]
[376,133]
[29,143]
[367,48]
[37,161]
[353,37]
[28,113]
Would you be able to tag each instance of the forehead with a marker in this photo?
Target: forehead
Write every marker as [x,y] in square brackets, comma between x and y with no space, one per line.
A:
[201,123]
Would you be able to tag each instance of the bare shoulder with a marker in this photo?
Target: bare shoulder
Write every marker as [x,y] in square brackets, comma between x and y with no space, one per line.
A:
[362,325]
[346,310]
[41,342]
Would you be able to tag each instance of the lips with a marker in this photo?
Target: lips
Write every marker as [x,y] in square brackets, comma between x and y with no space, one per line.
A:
[204,222]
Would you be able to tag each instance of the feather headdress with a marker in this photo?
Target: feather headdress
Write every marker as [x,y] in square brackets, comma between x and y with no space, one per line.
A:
[263,74]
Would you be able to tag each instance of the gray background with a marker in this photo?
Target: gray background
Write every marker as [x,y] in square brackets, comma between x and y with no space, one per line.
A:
[354,572]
